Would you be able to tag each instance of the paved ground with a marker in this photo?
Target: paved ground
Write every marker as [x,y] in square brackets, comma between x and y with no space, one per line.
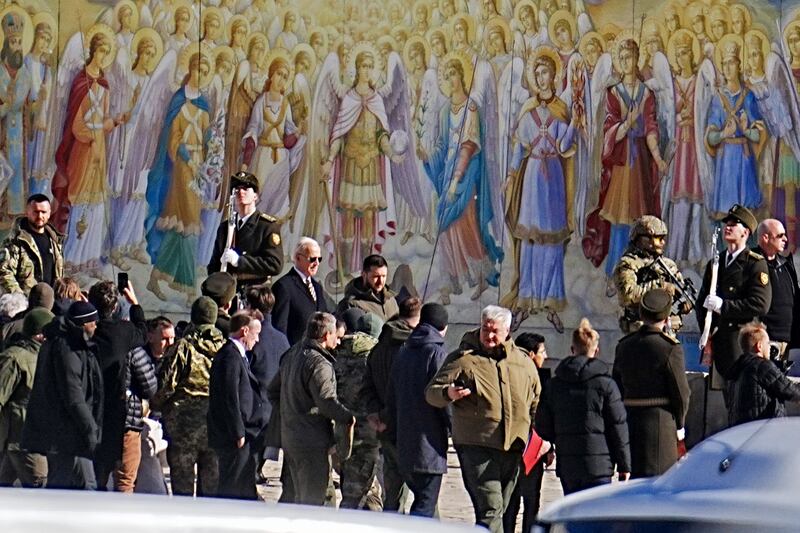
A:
[454,504]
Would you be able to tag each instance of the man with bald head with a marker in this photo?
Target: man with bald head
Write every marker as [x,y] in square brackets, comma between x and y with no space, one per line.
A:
[781,319]
[297,294]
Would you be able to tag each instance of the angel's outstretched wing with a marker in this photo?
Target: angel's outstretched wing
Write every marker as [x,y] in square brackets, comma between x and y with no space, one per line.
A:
[484,92]
[662,86]
[512,94]
[397,101]
[583,19]
[780,108]
[705,88]
[426,114]
[324,110]
[275,29]
[72,61]
[147,119]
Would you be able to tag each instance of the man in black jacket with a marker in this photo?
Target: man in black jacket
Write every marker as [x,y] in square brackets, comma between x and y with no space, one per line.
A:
[297,294]
[757,389]
[236,409]
[420,430]
[305,389]
[65,412]
[581,412]
[115,338]
[782,320]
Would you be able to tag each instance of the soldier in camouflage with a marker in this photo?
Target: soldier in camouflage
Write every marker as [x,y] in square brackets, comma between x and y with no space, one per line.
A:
[360,488]
[32,251]
[641,268]
[183,399]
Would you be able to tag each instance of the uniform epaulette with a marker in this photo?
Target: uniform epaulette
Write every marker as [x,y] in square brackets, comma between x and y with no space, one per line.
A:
[754,255]
[268,218]
[670,338]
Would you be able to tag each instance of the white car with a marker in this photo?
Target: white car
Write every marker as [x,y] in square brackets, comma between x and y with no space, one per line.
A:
[46,511]
[746,478]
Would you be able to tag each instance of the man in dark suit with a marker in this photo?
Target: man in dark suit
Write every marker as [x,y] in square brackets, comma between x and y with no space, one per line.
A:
[256,253]
[297,294]
[236,409]
[744,292]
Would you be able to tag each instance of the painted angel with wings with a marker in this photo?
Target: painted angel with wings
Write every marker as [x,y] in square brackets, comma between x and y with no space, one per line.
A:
[771,82]
[463,169]
[683,190]
[791,182]
[537,192]
[354,125]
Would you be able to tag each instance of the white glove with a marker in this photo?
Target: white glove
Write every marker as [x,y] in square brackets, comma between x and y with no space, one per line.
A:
[231,257]
[713,303]
[682,434]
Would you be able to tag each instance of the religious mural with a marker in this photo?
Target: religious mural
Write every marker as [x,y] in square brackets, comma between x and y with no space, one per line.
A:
[492,150]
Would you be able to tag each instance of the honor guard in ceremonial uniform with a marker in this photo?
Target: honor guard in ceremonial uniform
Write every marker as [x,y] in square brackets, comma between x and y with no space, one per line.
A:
[254,253]
[650,371]
[643,267]
[743,292]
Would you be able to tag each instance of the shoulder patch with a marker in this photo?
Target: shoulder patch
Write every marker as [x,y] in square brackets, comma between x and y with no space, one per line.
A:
[755,255]
[763,278]
[268,218]
[670,338]
[275,239]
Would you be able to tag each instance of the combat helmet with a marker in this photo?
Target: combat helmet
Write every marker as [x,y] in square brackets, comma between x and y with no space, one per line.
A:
[648,226]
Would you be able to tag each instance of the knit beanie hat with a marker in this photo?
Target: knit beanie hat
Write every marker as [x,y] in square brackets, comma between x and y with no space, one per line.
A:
[81,313]
[371,324]
[204,311]
[35,321]
[350,318]
[434,314]
[41,295]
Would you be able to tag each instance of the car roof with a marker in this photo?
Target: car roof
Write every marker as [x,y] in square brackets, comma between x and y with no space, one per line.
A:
[46,510]
[746,474]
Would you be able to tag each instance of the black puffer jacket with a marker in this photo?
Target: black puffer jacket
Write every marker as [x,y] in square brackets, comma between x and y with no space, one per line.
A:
[140,384]
[757,390]
[581,411]
[65,410]
[379,363]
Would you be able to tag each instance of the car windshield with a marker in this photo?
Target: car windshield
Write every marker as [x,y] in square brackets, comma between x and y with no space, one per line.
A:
[646,526]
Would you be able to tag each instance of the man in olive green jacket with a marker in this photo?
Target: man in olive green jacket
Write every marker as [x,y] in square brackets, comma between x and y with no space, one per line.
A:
[494,389]
[17,372]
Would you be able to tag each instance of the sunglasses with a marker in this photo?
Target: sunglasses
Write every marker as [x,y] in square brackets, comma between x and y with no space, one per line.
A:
[313,259]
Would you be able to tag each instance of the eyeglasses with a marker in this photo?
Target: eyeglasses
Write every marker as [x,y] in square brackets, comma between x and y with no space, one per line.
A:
[313,259]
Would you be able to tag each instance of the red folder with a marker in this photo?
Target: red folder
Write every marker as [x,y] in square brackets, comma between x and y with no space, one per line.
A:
[534,451]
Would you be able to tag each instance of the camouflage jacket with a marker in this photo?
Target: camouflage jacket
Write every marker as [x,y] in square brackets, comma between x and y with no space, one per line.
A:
[351,371]
[19,258]
[635,274]
[186,369]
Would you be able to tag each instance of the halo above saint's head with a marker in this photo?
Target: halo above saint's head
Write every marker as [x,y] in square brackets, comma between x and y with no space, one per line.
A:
[653,28]
[212,13]
[417,42]
[624,35]
[545,52]
[363,47]
[134,13]
[499,24]
[562,16]
[183,5]
[185,57]
[46,19]
[237,20]
[587,38]
[676,9]
[694,10]
[529,5]
[306,50]
[467,19]
[27,26]
[466,67]
[757,38]
[285,12]
[151,35]
[225,53]
[745,11]
[417,5]
[792,28]
[442,34]
[109,34]
[281,55]
[715,13]
[322,35]
[730,44]
[681,39]
[257,35]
